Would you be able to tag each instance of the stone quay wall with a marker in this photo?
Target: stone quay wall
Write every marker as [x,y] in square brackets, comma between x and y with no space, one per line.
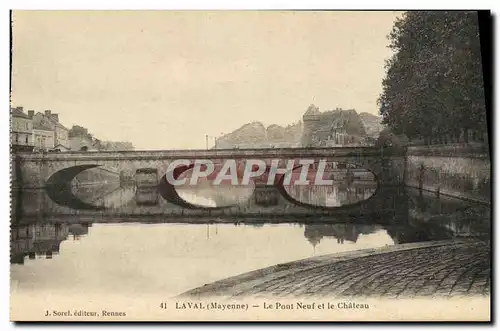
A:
[458,170]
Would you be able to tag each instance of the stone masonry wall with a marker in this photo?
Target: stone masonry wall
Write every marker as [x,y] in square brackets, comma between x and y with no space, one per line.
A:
[457,170]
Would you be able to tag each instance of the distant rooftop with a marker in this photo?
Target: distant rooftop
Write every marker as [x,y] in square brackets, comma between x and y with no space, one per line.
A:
[312,110]
[18,112]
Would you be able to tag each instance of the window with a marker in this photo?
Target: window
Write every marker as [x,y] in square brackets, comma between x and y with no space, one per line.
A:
[26,139]
[17,138]
[27,126]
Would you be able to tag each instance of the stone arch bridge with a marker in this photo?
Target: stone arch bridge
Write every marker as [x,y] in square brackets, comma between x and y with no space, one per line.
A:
[35,171]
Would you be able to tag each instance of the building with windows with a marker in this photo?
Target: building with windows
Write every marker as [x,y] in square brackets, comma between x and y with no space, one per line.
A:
[61,132]
[43,134]
[61,138]
[21,133]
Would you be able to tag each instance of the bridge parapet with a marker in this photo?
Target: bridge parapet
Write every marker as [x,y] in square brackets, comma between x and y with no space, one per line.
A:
[216,153]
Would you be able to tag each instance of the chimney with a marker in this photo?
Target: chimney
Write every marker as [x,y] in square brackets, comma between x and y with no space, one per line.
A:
[31,113]
[55,117]
[47,113]
[20,109]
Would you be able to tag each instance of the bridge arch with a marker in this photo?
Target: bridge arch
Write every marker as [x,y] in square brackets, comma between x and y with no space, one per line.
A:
[66,175]
[59,190]
[170,194]
[280,186]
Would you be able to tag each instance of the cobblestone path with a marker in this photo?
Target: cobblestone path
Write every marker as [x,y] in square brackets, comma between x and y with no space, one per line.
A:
[443,268]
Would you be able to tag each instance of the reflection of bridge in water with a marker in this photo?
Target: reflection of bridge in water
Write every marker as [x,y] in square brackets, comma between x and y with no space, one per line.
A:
[130,202]
[424,219]
[141,197]
[263,201]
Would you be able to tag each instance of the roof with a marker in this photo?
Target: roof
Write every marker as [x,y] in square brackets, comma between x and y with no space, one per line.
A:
[43,124]
[48,121]
[341,118]
[17,113]
[312,110]
[58,124]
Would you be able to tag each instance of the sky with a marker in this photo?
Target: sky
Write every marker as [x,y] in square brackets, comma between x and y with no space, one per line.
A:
[166,79]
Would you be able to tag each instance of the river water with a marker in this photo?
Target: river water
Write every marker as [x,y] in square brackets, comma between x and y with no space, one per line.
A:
[86,256]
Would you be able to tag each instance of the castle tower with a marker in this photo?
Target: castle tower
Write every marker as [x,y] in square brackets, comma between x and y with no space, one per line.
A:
[311,119]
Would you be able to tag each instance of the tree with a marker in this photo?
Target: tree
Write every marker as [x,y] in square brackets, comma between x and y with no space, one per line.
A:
[387,138]
[97,144]
[433,89]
